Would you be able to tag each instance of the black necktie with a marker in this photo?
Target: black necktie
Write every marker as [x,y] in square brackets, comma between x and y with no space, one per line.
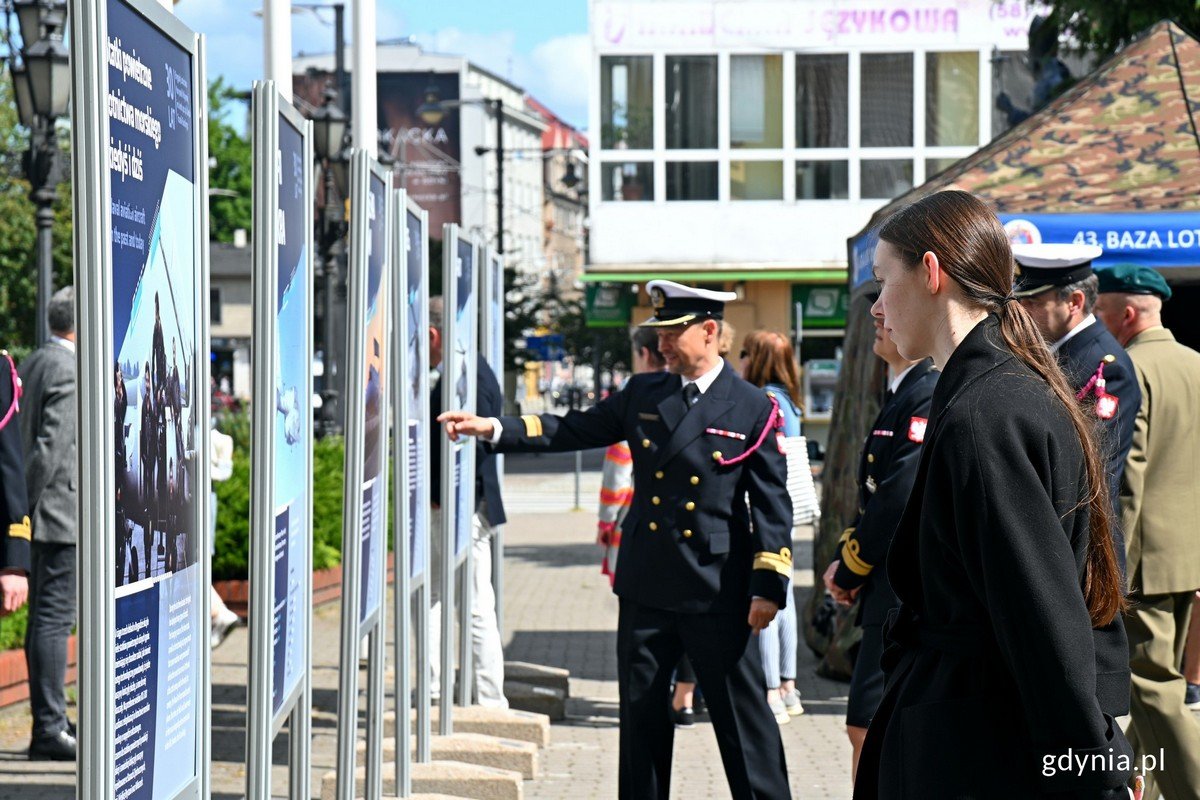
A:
[691,393]
[887,396]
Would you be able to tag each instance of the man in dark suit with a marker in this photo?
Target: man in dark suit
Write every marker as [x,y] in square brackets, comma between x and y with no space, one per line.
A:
[1056,285]
[486,643]
[48,434]
[701,569]
[14,501]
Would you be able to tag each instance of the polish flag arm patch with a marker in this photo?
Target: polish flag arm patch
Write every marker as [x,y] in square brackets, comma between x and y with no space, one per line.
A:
[1106,406]
[916,429]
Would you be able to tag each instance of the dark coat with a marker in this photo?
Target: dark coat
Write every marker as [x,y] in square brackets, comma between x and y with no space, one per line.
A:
[1079,357]
[991,659]
[689,543]
[14,501]
[489,402]
[885,478]
[48,435]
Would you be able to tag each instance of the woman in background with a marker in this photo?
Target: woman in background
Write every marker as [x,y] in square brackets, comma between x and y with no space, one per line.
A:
[768,362]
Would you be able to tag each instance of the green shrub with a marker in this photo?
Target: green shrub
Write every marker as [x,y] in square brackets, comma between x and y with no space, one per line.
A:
[12,629]
[232,558]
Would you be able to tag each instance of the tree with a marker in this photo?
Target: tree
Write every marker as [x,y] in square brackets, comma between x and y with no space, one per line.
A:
[1106,26]
[530,306]
[230,170]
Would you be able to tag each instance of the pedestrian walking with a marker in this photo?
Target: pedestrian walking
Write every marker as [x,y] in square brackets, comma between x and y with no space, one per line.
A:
[886,470]
[701,569]
[48,435]
[1159,509]
[1003,558]
[767,362]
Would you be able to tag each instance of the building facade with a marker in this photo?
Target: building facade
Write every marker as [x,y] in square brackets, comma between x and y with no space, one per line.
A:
[448,164]
[564,206]
[738,144]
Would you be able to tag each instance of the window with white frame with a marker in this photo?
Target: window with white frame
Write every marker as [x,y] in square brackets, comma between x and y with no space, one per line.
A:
[786,127]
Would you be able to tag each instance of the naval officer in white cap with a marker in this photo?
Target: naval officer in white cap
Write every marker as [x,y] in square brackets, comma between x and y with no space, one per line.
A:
[1056,285]
[700,569]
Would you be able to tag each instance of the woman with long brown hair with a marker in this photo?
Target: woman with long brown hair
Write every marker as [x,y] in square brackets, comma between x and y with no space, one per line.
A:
[1002,561]
[769,363]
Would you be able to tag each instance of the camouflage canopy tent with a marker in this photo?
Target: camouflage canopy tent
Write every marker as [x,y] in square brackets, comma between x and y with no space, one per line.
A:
[1114,161]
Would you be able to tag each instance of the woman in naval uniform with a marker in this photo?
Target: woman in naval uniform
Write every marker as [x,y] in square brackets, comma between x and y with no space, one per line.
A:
[1003,560]
[885,478]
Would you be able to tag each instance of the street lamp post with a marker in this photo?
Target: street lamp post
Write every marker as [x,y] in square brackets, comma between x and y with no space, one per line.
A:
[42,83]
[329,136]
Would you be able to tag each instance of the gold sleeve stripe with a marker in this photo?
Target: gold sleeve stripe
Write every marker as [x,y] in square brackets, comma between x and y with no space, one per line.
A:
[19,530]
[853,561]
[533,425]
[846,534]
[775,562]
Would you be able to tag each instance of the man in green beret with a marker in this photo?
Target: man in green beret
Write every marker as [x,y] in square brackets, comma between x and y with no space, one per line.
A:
[1159,509]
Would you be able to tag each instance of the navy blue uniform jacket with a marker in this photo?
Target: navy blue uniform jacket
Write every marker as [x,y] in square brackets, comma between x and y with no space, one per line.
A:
[14,500]
[489,402]
[1079,357]
[690,543]
[885,478]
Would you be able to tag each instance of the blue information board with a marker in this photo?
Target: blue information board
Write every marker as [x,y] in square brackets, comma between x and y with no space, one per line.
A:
[416,347]
[373,383]
[458,388]
[291,434]
[160,633]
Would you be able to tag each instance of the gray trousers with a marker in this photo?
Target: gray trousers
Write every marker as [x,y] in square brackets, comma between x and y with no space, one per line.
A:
[51,617]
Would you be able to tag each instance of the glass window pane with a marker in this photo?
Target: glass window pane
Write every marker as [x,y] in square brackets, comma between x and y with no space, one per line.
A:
[935,165]
[756,101]
[631,180]
[886,178]
[951,99]
[822,180]
[626,102]
[886,100]
[691,102]
[822,101]
[756,180]
[691,180]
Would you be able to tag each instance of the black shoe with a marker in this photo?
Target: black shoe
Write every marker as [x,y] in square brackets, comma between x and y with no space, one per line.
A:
[59,747]
[71,729]
[683,717]
[1191,698]
[700,707]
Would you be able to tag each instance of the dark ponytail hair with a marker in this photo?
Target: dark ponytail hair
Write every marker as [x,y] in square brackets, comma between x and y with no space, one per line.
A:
[973,249]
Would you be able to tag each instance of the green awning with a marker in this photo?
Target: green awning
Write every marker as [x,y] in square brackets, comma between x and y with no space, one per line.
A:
[706,276]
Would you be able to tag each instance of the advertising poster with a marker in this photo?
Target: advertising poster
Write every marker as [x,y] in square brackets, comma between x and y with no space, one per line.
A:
[428,151]
[461,382]
[374,501]
[417,297]
[291,436]
[159,593]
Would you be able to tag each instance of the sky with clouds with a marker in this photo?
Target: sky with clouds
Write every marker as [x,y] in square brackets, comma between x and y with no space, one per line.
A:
[541,45]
